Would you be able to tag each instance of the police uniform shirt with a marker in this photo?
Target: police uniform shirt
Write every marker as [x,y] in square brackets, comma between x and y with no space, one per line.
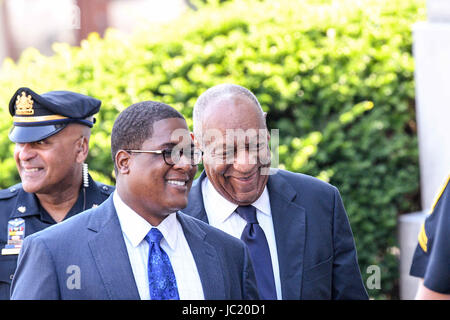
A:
[16,203]
[431,259]
[35,118]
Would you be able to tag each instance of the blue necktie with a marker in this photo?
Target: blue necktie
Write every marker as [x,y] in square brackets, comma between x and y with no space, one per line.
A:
[161,279]
[253,235]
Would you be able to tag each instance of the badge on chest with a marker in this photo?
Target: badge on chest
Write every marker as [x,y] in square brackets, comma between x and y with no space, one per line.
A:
[16,234]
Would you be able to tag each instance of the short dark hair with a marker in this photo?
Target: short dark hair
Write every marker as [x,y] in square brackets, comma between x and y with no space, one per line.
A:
[134,125]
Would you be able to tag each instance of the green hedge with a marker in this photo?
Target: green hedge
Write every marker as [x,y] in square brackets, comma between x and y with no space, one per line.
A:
[336,78]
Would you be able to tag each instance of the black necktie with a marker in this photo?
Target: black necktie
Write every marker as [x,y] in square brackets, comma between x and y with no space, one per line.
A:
[253,235]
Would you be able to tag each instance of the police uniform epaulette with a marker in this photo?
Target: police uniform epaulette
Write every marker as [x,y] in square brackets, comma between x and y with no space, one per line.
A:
[106,189]
[10,192]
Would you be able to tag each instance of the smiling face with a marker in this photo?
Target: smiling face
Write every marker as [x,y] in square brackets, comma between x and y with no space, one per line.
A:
[146,183]
[53,164]
[239,151]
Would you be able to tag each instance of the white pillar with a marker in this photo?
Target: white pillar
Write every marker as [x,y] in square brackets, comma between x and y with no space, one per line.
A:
[431,49]
[408,229]
[432,77]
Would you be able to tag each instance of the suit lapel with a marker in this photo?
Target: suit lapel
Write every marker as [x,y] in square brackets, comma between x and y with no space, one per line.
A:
[195,207]
[289,226]
[110,253]
[206,259]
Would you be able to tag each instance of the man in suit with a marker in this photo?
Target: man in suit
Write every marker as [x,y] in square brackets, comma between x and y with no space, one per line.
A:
[51,132]
[295,226]
[137,245]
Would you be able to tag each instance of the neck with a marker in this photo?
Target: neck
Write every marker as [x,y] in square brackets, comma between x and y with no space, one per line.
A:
[58,204]
[152,217]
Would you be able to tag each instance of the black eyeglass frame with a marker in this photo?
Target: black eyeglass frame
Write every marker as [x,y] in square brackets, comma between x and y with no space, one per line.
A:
[166,152]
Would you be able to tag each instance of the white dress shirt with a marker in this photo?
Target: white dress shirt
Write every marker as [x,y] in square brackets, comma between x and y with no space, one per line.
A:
[221,215]
[135,228]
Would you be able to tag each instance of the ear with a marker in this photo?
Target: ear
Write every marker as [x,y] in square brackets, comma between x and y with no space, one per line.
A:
[122,161]
[82,149]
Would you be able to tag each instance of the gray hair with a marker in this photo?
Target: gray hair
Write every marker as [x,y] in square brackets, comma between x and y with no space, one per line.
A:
[215,93]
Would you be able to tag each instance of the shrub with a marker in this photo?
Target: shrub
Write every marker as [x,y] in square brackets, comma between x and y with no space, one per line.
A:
[336,78]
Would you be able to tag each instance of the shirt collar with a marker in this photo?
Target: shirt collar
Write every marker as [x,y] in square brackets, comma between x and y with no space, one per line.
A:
[263,203]
[28,203]
[223,208]
[169,230]
[136,228]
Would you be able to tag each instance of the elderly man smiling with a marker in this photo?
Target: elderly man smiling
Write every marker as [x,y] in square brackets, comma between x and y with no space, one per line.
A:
[295,226]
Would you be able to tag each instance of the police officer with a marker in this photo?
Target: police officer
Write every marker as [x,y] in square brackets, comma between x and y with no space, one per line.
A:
[51,133]
[431,260]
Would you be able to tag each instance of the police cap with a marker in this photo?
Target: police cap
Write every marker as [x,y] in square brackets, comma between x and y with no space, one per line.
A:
[36,117]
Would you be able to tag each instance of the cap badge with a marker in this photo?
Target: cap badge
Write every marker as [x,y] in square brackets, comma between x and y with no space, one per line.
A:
[24,105]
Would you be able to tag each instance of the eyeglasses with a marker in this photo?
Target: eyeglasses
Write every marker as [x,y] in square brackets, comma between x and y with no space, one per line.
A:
[173,156]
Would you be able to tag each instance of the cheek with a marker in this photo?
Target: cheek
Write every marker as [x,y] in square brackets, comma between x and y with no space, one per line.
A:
[216,172]
[262,182]
[264,157]
[58,159]
[193,171]
[148,177]
[16,156]
[218,178]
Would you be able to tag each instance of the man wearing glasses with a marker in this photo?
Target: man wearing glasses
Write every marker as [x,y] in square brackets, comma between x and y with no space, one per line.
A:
[295,226]
[138,245]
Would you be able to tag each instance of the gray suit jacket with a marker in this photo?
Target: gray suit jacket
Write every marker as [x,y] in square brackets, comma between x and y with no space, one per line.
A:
[315,246]
[91,245]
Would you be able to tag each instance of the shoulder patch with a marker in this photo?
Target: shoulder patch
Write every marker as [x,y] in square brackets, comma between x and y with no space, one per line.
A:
[423,239]
[10,192]
[439,194]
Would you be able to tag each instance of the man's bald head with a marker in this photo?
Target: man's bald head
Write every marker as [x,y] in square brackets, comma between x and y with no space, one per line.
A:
[210,102]
[230,128]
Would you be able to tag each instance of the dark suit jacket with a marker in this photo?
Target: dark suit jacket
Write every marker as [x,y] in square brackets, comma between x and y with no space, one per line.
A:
[315,246]
[92,245]
[36,219]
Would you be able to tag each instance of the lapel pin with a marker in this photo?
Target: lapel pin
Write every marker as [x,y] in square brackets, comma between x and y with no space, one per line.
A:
[22,209]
